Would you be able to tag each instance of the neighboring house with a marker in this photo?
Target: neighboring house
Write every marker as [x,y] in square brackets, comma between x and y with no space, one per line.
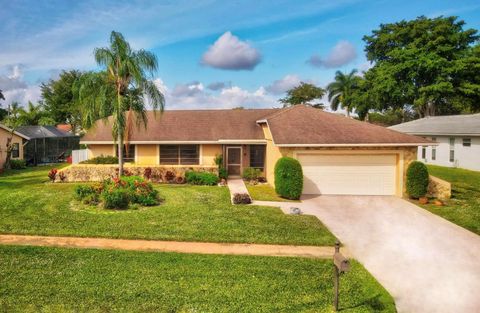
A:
[17,140]
[458,138]
[47,144]
[339,155]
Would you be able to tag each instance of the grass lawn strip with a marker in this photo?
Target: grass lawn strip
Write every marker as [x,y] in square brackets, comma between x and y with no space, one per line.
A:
[463,208]
[57,279]
[265,192]
[30,205]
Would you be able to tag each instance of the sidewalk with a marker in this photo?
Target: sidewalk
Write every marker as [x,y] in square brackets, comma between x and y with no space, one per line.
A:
[170,246]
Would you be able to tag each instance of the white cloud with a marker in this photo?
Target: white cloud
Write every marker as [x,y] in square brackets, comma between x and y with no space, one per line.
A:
[215,86]
[230,53]
[195,96]
[283,85]
[187,90]
[342,53]
[15,89]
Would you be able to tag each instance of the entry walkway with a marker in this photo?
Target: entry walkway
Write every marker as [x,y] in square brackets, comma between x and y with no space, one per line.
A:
[170,246]
[236,185]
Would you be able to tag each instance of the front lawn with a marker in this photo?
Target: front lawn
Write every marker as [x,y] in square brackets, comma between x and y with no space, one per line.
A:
[59,280]
[265,192]
[464,207]
[29,204]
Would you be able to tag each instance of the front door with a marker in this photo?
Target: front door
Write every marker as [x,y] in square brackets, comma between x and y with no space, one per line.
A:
[234,160]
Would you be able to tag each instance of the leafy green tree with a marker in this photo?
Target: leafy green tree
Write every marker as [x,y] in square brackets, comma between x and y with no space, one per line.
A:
[127,73]
[423,62]
[35,115]
[12,121]
[341,90]
[2,97]
[59,99]
[305,93]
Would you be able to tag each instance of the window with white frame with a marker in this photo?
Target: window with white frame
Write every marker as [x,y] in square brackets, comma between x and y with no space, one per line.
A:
[179,154]
[434,150]
[466,142]
[15,150]
[452,149]
[424,153]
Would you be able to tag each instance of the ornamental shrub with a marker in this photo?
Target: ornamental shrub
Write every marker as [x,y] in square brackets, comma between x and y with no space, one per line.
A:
[242,198]
[18,164]
[101,160]
[116,198]
[222,173]
[250,173]
[201,178]
[82,191]
[288,178]
[52,174]
[417,180]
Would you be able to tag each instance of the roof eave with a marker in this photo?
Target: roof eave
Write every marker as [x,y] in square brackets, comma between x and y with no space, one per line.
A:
[292,145]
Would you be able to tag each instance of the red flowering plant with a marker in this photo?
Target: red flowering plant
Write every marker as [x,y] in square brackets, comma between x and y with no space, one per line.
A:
[52,174]
[62,176]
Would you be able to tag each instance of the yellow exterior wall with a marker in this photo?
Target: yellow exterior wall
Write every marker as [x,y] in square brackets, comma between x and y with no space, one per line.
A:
[208,153]
[98,150]
[147,155]
[273,153]
[4,135]
[405,155]
[150,154]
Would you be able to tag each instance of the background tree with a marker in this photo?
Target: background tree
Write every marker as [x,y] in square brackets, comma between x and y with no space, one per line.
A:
[59,99]
[127,73]
[341,90]
[2,97]
[12,121]
[34,115]
[419,62]
[305,93]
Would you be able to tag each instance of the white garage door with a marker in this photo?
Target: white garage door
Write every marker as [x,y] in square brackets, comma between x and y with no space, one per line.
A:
[348,174]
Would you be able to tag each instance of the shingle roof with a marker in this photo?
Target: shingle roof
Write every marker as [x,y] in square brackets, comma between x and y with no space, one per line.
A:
[442,125]
[191,125]
[295,125]
[42,132]
[15,132]
[304,125]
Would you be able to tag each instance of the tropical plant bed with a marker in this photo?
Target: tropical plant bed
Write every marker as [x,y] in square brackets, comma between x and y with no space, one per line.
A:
[118,193]
[29,204]
[74,280]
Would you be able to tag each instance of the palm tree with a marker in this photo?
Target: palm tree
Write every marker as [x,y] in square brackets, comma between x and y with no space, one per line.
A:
[127,78]
[340,91]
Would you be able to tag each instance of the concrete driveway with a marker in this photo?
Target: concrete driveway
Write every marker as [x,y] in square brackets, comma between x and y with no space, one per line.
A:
[427,263]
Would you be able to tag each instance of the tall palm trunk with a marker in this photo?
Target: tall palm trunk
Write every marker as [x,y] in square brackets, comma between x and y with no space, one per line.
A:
[120,155]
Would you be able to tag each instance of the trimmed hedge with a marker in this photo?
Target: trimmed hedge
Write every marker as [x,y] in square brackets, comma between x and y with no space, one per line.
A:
[417,180]
[101,160]
[288,178]
[18,164]
[201,178]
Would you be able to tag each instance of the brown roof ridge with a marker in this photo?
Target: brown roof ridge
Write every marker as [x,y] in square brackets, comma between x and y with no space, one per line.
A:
[281,111]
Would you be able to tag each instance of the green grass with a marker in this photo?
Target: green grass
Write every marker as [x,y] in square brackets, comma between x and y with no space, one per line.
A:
[265,192]
[464,207]
[29,204]
[58,280]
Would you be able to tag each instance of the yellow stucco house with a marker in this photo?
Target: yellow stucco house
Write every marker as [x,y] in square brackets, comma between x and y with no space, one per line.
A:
[339,155]
[17,140]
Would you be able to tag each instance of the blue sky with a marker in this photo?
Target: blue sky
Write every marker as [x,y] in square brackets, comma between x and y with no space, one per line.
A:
[212,54]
